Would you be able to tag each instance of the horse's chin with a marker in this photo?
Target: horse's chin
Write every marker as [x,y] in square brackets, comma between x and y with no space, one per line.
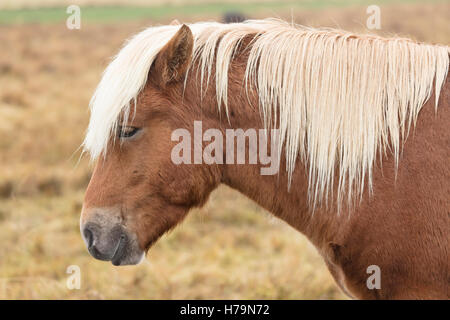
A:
[128,261]
[128,252]
[131,253]
[127,255]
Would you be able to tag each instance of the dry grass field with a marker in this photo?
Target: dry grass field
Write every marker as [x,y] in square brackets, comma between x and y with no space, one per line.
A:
[229,249]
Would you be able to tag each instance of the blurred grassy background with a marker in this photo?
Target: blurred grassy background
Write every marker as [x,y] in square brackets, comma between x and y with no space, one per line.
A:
[230,248]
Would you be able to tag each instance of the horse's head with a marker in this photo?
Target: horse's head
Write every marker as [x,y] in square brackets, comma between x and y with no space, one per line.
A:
[137,192]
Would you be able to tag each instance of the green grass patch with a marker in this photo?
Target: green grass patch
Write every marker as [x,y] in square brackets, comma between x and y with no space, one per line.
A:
[119,13]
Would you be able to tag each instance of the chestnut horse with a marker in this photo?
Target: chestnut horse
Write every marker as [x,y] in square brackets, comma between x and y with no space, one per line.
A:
[372,199]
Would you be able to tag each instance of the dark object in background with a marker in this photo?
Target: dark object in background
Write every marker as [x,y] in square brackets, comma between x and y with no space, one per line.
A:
[233,17]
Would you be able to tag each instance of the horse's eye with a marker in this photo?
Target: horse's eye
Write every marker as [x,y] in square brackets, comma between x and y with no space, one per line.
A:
[127,132]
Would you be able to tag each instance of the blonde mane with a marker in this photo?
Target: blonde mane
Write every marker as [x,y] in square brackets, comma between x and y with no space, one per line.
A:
[341,98]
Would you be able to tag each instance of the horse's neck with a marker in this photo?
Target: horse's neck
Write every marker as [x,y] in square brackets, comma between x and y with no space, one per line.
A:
[271,192]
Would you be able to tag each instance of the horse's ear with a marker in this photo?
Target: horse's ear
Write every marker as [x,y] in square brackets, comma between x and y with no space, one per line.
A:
[174,58]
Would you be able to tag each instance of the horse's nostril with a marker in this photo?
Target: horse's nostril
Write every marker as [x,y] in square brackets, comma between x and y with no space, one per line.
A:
[89,236]
[104,243]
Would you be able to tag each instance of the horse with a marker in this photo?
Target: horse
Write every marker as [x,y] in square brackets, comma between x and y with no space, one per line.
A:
[362,125]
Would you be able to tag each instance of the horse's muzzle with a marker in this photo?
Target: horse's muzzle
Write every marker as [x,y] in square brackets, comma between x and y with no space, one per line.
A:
[113,250]
[108,240]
